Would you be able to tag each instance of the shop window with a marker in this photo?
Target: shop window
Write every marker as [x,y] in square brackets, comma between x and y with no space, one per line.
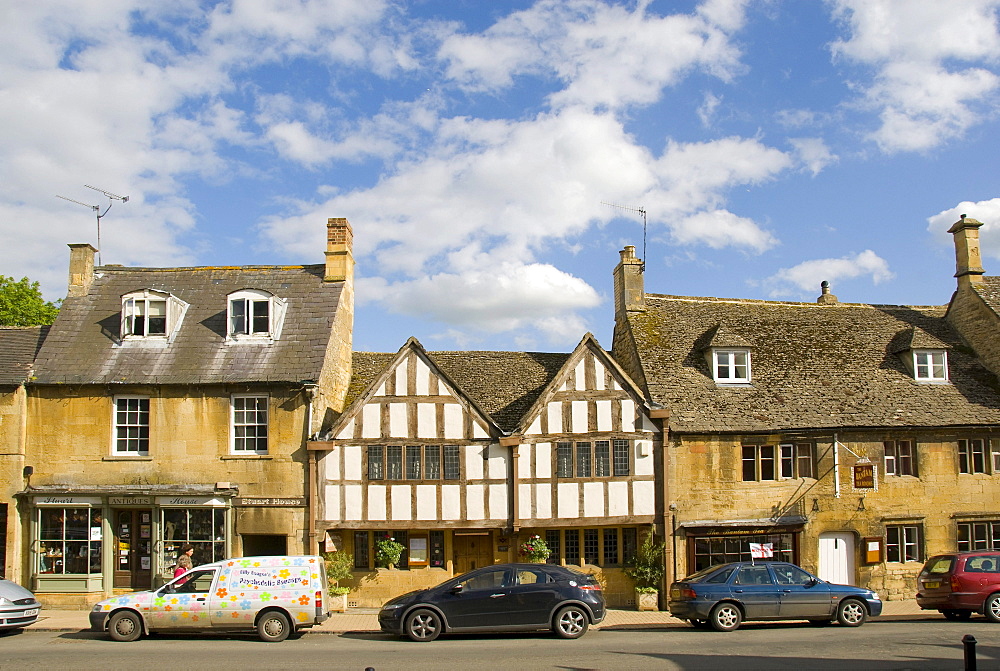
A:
[900,457]
[708,550]
[903,543]
[418,550]
[202,528]
[630,543]
[600,458]
[979,535]
[552,537]
[591,546]
[131,425]
[610,546]
[361,549]
[69,541]
[571,552]
[436,539]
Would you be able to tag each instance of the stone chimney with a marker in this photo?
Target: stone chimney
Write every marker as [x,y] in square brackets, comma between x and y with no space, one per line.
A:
[969,262]
[825,297]
[81,269]
[630,295]
[339,254]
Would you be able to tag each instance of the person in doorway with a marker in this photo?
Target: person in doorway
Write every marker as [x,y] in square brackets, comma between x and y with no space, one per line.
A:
[184,563]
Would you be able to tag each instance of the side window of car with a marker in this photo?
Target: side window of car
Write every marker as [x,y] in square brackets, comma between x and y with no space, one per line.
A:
[754,575]
[791,575]
[485,580]
[530,577]
[721,576]
[197,582]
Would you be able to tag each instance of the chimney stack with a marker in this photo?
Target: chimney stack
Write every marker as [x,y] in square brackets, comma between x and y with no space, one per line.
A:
[825,297]
[339,254]
[630,294]
[81,269]
[969,262]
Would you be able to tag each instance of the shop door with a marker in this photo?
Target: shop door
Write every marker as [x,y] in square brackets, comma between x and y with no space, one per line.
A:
[836,557]
[133,530]
[472,552]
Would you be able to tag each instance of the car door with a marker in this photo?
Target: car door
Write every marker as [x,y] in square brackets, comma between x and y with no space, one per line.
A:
[756,589]
[183,603]
[481,599]
[534,596]
[802,594]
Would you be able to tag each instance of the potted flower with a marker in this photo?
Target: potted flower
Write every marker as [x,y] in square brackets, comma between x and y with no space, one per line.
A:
[388,551]
[339,566]
[534,550]
[646,570]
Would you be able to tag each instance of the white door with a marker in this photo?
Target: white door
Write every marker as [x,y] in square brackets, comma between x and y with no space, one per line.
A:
[836,557]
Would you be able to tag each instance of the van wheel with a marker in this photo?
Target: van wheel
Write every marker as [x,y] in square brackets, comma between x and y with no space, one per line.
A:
[957,615]
[852,613]
[124,626]
[991,609]
[422,625]
[571,622]
[725,617]
[273,627]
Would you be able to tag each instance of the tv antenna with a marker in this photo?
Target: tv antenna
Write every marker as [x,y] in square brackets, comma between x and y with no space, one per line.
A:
[640,210]
[112,197]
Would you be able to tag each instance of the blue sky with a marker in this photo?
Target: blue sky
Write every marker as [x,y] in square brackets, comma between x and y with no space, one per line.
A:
[774,144]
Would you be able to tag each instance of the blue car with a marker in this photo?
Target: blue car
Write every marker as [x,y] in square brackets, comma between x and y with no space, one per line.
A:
[723,596]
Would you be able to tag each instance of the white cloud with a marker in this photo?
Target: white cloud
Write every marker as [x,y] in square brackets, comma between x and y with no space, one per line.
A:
[706,113]
[808,275]
[986,211]
[932,65]
[813,153]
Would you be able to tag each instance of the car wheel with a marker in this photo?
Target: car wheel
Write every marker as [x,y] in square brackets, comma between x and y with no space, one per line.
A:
[571,622]
[423,625]
[958,615]
[991,609]
[273,627]
[852,613]
[725,617]
[125,626]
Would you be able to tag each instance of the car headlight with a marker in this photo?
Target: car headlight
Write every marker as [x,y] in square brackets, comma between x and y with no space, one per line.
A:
[875,596]
[392,606]
[96,607]
[5,602]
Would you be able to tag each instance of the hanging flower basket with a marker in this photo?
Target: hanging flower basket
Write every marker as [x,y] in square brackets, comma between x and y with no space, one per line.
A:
[388,551]
[534,550]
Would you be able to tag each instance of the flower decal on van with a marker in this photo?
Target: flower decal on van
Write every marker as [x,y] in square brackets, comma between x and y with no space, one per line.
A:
[304,599]
[265,596]
[284,573]
[221,592]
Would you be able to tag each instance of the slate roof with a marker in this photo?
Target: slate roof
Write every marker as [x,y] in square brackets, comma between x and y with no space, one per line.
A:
[83,346]
[989,289]
[18,347]
[504,384]
[813,367]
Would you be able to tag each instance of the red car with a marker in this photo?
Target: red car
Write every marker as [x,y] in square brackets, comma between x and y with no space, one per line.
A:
[961,583]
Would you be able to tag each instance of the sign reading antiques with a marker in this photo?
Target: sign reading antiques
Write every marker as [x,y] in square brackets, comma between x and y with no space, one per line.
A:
[271,501]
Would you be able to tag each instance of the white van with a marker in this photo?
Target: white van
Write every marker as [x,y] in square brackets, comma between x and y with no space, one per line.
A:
[276,596]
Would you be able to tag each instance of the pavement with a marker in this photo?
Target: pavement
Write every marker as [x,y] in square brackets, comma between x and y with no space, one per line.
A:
[362,620]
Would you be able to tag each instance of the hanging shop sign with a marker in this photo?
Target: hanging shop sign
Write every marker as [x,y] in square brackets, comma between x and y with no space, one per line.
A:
[864,475]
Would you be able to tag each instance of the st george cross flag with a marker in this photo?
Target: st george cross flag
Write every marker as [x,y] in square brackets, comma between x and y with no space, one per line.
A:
[761,550]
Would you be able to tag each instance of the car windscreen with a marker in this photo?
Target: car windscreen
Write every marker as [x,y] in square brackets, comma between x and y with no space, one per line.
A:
[940,564]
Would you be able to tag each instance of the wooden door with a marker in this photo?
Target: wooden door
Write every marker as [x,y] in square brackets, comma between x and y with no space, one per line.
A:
[133,529]
[472,552]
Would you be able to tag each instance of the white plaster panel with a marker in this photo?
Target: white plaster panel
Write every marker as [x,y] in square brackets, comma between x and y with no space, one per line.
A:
[581,374]
[329,464]
[498,502]
[401,370]
[536,426]
[451,502]
[376,502]
[352,503]
[371,421]
[426,420]
[603,415]
[614,386]
[475,502]
[617,499]
[543,460]
[579,417]
[543,501]
[426,502]
[497,462]
[525,453]
[478,431]
[352,462]
[644,465]
[593,499]
[401,505]
[524,501]
[628,415]
[643,496]
[598,374]
[397,421]
[381,390]
[569,499]
[423,378]
[473,461]
[331,502]
[555,417]
[454,421]
[347,431]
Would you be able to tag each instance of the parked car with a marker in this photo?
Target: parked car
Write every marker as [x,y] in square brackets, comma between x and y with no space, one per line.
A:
[961,583]
[502,597]
[18,606]
[723,596]
[277,596]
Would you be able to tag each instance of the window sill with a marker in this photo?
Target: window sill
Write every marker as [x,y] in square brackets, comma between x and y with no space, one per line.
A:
[127,457]
[227,457]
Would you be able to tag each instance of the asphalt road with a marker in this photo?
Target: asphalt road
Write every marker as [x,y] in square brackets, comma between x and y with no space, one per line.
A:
[916,644]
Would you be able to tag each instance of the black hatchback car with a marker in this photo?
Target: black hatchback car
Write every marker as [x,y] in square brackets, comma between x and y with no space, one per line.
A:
[723,596]
[497,598]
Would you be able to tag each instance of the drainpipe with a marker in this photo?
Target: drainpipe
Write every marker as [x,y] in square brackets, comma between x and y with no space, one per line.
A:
[836,467]
[311,389]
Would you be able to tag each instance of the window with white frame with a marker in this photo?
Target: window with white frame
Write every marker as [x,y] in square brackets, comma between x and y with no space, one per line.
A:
[797,460]
[900,457]
[253,313]
[784,462]
[978,455]
[249,424]
[903,543]
[930,365]
[150,314]
[758,463]
[131,425]
[731,366]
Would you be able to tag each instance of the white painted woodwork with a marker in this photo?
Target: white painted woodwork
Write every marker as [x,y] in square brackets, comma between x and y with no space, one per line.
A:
[836,557]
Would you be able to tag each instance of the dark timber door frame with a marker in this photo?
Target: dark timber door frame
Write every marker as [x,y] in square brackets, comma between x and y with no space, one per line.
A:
[133,547]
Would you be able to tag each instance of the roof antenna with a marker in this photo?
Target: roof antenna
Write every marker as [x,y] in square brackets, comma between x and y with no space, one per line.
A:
[97,208]
[642,211]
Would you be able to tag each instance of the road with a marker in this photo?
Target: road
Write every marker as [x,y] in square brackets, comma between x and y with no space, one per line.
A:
[916,644]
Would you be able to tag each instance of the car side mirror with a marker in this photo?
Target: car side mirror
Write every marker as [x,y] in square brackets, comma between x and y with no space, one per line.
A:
[812,582]
[457,589]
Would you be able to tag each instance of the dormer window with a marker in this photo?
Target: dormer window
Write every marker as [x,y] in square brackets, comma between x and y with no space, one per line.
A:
[731,366]
[930,365]
[150,314]
[254,314]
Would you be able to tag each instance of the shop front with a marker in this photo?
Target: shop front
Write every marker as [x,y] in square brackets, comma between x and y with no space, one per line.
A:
[707,544]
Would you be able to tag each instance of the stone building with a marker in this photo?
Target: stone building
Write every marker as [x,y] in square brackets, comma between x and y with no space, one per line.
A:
[463,456]
[855,439]
[172,406]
